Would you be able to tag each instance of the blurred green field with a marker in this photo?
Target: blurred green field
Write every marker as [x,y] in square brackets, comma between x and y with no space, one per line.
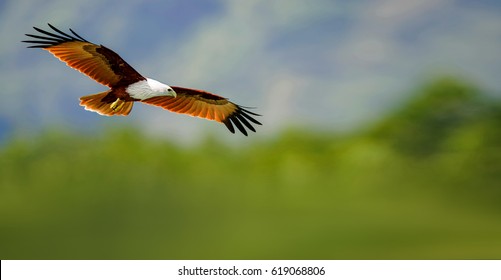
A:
[423,182]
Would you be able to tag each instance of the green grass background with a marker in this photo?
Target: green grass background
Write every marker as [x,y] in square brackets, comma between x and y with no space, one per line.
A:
[423,182]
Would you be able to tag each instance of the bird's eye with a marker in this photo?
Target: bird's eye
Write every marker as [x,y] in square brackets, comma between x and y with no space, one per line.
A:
[169,89]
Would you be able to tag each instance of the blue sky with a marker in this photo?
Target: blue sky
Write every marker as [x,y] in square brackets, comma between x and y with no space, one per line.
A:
[330,65]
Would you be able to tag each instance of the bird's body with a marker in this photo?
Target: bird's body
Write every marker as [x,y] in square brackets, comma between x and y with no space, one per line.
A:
[128,86]
[122,97]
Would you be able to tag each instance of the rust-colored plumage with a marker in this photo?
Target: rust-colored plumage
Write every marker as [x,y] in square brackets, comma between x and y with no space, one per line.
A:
[127,85]
[202,104]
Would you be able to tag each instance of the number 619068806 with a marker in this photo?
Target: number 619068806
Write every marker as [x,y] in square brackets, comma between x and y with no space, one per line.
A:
[290,270]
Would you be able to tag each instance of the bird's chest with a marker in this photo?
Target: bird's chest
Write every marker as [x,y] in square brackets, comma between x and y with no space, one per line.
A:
[140,90]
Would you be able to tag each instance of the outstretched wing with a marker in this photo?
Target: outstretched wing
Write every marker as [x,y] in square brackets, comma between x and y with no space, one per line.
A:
[95,61]
[202,104]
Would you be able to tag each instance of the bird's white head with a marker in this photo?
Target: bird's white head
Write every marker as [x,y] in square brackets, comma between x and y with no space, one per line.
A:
[160,89]
[149,88]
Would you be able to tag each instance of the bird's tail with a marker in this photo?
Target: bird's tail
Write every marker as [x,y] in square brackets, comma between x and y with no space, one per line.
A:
[101,104]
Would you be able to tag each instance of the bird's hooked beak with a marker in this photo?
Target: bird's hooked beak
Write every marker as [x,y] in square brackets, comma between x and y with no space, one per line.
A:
[171,92]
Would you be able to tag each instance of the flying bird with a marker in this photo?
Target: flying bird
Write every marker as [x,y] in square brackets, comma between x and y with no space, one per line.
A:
[128,86]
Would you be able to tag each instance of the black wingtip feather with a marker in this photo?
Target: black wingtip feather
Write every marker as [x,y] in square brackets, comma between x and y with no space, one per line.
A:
[245,122]
[50,34]
[79,37]
[36,47]
[243,108]
[237,123]
[228,124]
[52,38]
[245,114]
[60,32]
[240,118]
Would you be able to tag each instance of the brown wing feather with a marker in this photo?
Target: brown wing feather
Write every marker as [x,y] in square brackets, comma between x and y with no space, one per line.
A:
[202,104]
[96,103]
[96,61]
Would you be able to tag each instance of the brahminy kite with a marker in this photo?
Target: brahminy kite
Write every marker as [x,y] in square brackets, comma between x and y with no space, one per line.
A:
[127,85]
